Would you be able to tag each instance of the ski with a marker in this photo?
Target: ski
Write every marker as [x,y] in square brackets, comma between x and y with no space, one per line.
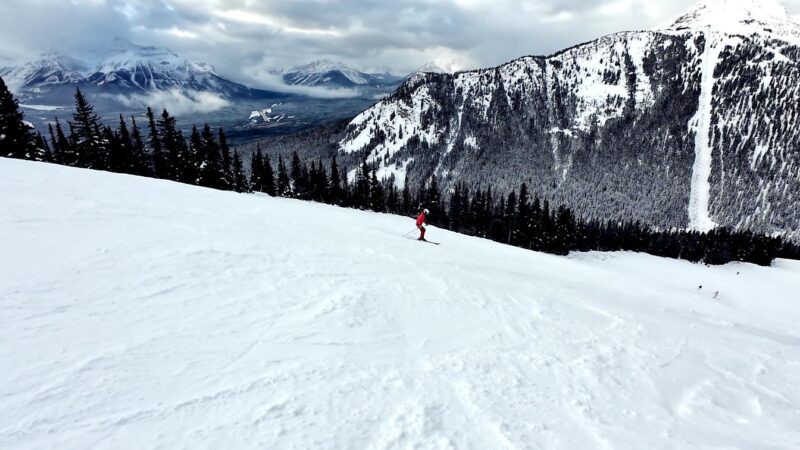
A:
[426,241]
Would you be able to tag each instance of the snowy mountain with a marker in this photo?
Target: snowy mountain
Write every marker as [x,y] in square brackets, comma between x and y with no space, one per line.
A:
[141,313]
[332,74]
[126,69]
[128,78]
[51,68]
[131,68]
[694,124]
[743,17]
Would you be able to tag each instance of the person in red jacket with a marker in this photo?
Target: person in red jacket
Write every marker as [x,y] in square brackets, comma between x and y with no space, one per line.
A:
[422,222]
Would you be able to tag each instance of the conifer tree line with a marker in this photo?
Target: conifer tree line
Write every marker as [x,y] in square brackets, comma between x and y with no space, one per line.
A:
[155,149]
[517,218]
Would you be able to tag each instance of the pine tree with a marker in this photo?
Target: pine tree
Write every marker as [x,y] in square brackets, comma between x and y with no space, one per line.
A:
[320,189]
[522,232]
[63,151]
[284,185]
[257,170]
[16,140]
[457,209]
[211,173]
[361,190]
[536,225]
[168,135]
[376,194]
[336,196]
[43,152]
[188,162]
[299,179]
[139,165]
[565,230]
[269,177]
[392,200]
[115,151]
[227,170]
[53,143]
[159,160]
[90,144]
[240,183]
[405,202]
[511,217]
[198,151]
[305,183]
[431,199]
[121,149]
[346,197]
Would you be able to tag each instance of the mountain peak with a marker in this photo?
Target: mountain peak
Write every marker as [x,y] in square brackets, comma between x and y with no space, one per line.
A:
[736,17]
[326,72]
[49,68]
[321,66]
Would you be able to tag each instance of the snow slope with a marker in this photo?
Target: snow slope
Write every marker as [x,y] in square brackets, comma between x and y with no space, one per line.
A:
[700,194]
[147,314]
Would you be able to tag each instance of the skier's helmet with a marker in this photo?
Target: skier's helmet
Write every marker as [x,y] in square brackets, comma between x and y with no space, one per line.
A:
[426,211]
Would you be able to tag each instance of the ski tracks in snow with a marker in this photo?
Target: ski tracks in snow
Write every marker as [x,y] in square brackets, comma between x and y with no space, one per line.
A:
[282,324]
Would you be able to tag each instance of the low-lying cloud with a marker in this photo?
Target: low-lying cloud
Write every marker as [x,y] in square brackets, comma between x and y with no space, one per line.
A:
[176,101]
[271,81]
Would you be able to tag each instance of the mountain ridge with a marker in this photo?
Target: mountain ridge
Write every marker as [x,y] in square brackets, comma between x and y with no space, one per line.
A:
[646,99]
[335,74]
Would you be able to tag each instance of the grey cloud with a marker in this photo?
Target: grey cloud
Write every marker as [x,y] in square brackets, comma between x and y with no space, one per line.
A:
[245,39]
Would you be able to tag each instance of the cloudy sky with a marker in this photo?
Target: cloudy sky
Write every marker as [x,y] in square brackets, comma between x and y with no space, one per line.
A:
[245,39]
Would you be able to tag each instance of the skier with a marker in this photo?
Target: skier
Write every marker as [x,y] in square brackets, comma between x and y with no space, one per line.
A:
[422,222]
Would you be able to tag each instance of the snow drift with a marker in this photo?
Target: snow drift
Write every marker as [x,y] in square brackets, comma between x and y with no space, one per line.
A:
[143,313]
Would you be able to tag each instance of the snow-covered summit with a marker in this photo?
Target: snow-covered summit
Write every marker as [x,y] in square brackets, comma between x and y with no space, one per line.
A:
[736,17]
[325,71]
[49,68]
[148,67]
[321,66]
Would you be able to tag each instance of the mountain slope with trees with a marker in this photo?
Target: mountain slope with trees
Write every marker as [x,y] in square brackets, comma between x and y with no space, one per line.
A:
[694,124]
[205,159]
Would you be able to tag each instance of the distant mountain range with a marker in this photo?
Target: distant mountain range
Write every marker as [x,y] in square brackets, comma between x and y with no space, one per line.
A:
[131,69]
[333,74]
[130,77]
[128,69]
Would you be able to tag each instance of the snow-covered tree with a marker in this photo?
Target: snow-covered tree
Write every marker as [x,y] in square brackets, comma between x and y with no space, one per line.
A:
[16,140]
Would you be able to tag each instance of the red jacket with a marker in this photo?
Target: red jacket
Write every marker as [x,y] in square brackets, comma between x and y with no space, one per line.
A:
[422,219]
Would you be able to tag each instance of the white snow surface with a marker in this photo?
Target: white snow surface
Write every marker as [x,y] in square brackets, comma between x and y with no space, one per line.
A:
[141,313]
[700,192]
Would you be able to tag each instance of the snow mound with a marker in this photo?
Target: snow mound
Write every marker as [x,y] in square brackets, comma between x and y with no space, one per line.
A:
[148,314]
